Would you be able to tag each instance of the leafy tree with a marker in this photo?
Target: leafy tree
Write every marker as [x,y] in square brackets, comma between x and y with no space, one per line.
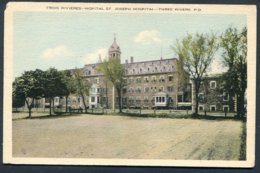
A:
[28,87]
[183,79]
[82,87]
[54,86]
[234,44]
[18,98]
[114,72]
[70,86]
[196,52]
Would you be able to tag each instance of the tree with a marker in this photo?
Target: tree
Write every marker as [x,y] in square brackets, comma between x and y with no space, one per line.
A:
[18,97]
[196,52]
[114,72]
[183,79]
[54,86]
[82,87]
[28,87]
[234,44]
[70,86]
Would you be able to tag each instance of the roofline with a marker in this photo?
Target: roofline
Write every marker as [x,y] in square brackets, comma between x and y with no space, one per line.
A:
[151,61]
[138,61]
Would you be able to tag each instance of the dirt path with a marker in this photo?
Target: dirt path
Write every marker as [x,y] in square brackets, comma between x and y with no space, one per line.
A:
[126,137]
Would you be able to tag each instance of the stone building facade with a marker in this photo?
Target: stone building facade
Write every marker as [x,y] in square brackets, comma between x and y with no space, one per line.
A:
[213,97]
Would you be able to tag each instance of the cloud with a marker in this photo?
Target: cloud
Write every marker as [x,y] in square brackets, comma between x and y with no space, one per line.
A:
[93,57]
[148,37]
[56,52]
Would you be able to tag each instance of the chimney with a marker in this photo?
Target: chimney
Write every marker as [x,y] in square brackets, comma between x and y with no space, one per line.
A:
[131,59]
[126,61]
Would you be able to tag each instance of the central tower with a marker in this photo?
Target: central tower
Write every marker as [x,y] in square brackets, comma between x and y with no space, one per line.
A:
[114,51]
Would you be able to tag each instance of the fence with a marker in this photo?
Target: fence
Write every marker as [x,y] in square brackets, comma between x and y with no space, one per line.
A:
[131,112]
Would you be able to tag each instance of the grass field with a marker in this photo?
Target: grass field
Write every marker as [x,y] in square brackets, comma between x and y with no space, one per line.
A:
[99,136]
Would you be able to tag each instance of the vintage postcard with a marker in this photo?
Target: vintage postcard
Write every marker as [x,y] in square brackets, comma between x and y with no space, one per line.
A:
[129,84]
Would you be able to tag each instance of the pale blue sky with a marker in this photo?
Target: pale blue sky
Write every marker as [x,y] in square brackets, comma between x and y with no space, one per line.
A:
[69,40]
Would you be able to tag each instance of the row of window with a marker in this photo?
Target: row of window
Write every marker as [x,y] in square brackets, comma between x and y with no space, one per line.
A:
[93,99]
[213,108]
[225,96]
[99,90]
[146,99]
[147,89]
[147,79]
[149,70]
[212,84]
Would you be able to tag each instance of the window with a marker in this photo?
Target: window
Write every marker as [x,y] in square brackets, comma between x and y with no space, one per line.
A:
[56,100]
[104,100]
[213,84]
[201,107]
[170,88]
[146,79]
[146,89]
[131,80]
[161,79]
[170,78]
[212,108]
[225,96]
[225,108]
[131,90]
[146,99]
[153,89]
[138,80]
[161,88]
[96,80]
[170,100]
[79,99]
[154,79]
[163,99]
[201,96]
[92,99]
[138,90]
